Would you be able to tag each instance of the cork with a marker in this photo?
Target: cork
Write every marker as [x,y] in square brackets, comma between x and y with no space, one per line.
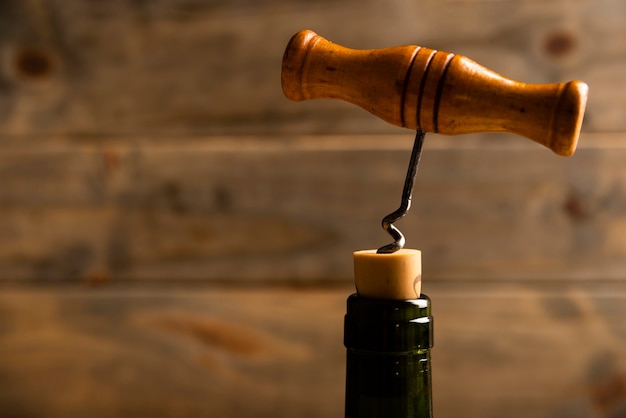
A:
[388,276]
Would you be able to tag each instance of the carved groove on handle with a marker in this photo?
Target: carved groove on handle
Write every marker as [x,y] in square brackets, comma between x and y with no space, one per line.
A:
[420,91]
[405,87]
[439,89]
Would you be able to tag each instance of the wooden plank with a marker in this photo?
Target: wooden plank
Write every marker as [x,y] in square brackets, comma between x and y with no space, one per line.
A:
[549,350]
[187,67]
[293,209]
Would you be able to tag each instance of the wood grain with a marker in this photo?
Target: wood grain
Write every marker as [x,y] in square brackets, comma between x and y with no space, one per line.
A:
[162,352]
[294,209]
[176,237]
[188,67]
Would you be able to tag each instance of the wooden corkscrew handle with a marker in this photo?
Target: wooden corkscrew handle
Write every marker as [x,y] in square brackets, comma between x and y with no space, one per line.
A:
[434,91]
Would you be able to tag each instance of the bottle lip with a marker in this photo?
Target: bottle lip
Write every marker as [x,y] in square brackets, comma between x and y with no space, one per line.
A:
[388,326]
[388,309]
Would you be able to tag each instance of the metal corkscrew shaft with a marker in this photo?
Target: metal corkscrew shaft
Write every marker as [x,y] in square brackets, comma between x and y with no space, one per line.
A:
[433,91]
[405,202]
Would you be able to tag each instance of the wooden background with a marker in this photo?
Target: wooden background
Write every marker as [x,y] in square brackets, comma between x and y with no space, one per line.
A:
[176,236]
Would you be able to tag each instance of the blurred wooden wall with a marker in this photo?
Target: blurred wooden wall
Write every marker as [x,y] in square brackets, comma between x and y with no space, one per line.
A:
[176,236]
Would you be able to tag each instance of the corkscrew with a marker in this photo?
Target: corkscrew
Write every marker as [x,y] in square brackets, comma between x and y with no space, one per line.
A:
[432,91]
[405,202]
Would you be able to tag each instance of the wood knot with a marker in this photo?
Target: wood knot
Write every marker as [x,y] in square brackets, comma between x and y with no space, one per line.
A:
[577,208]
[559,44]
[33,63]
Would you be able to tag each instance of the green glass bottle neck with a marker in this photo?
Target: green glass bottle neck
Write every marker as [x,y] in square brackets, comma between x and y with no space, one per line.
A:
[388,358]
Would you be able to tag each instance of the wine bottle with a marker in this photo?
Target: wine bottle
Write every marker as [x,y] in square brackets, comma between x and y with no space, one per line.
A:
[388,342]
